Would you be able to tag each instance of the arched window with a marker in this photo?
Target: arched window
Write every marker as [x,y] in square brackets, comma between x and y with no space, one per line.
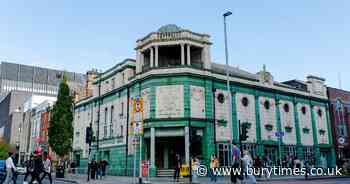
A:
[221,98]
[267,105]
[245,101]
[303,110]
[319,112]
[111,123]
[286,108]
[106,115]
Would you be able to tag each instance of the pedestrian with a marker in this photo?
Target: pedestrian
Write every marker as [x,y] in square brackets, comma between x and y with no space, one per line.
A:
[214,164]
[14,176]
[99,170]
[297,163]
[104,165]
[38,167]
[258,165]
[29,164]
[47,167]
[10,168]
[72,166]
[247,164]
[177,168]
[307,169]
[195,166]
[93,169]
[236,156]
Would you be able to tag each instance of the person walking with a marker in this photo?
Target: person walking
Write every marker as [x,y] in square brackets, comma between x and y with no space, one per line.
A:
[99,170]
[247,164]
[93,168]
[177,168]
[258,165]
[47,167]
[104,165]
[10,168]
[195,165]
[214,164]
[29,164]
[236,156]
[38,168]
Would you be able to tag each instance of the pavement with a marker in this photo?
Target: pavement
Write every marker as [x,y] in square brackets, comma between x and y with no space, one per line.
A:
[20,180]
[82,179]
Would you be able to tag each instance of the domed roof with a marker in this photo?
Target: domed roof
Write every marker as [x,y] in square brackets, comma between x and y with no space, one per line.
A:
[169,28]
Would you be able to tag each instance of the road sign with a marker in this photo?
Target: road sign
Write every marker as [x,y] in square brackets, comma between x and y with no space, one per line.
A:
[137,115]
[279,134]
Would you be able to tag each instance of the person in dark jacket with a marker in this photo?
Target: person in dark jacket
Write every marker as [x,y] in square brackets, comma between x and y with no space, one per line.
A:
[38,168]
[29,167]
[93,169]
[104,165]
[177,168]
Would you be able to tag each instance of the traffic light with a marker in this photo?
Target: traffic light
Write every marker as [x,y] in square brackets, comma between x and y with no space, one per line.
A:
[88,137]
[244,132]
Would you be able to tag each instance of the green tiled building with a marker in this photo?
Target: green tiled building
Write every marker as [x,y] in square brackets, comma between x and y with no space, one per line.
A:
[186,109]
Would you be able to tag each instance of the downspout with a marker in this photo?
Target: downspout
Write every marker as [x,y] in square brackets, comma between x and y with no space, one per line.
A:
[214,115]
[127,131]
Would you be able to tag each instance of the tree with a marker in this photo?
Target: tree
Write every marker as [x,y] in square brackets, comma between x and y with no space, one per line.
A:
[4,149]
[61,128]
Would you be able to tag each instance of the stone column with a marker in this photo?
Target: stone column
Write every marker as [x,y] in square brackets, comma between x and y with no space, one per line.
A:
[153,152]
[142,60]
[156,55]
[182,54]
[206,59]
[187,145]
[138,62]
[151,57]
[188,54]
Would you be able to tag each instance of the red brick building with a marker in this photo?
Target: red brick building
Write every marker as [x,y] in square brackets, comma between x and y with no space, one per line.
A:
[340,117]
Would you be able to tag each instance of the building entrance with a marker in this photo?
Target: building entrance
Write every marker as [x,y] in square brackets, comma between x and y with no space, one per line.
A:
[166,149]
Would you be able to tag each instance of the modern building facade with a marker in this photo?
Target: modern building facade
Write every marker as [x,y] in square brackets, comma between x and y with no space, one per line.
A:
[36,80]
[186,109]
[339,109]
[11,108]
[18,83]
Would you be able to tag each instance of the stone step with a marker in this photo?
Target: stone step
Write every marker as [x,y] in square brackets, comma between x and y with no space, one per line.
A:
[165,172]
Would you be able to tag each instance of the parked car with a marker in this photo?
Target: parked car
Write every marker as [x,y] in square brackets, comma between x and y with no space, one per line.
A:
[2,171]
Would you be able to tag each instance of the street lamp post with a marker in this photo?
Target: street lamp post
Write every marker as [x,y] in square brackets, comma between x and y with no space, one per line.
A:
[229,116]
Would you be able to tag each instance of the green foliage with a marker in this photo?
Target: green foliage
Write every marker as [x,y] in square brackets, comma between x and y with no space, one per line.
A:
[4,149]
[61,128]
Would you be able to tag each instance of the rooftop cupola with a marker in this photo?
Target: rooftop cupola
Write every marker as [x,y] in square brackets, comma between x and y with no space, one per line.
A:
[173,46]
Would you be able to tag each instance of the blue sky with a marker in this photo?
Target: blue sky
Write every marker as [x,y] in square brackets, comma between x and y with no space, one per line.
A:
[293,38]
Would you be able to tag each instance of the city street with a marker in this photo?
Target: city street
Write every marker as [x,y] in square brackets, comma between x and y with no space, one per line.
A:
[323,181]
[45,181]
[202,180]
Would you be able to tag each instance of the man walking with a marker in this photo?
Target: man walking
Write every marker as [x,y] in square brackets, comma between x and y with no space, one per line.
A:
[10,169]
[38,168]
[236,158]
[47,167]
[177,168]
[29,168]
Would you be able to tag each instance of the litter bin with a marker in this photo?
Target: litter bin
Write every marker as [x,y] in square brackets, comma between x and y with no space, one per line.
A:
[60,172]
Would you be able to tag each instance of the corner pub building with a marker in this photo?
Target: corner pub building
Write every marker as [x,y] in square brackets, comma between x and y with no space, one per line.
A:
[183,92]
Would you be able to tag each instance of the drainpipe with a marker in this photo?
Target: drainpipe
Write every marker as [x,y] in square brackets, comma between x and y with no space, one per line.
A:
[98,119]
[214,116]
[127,132]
